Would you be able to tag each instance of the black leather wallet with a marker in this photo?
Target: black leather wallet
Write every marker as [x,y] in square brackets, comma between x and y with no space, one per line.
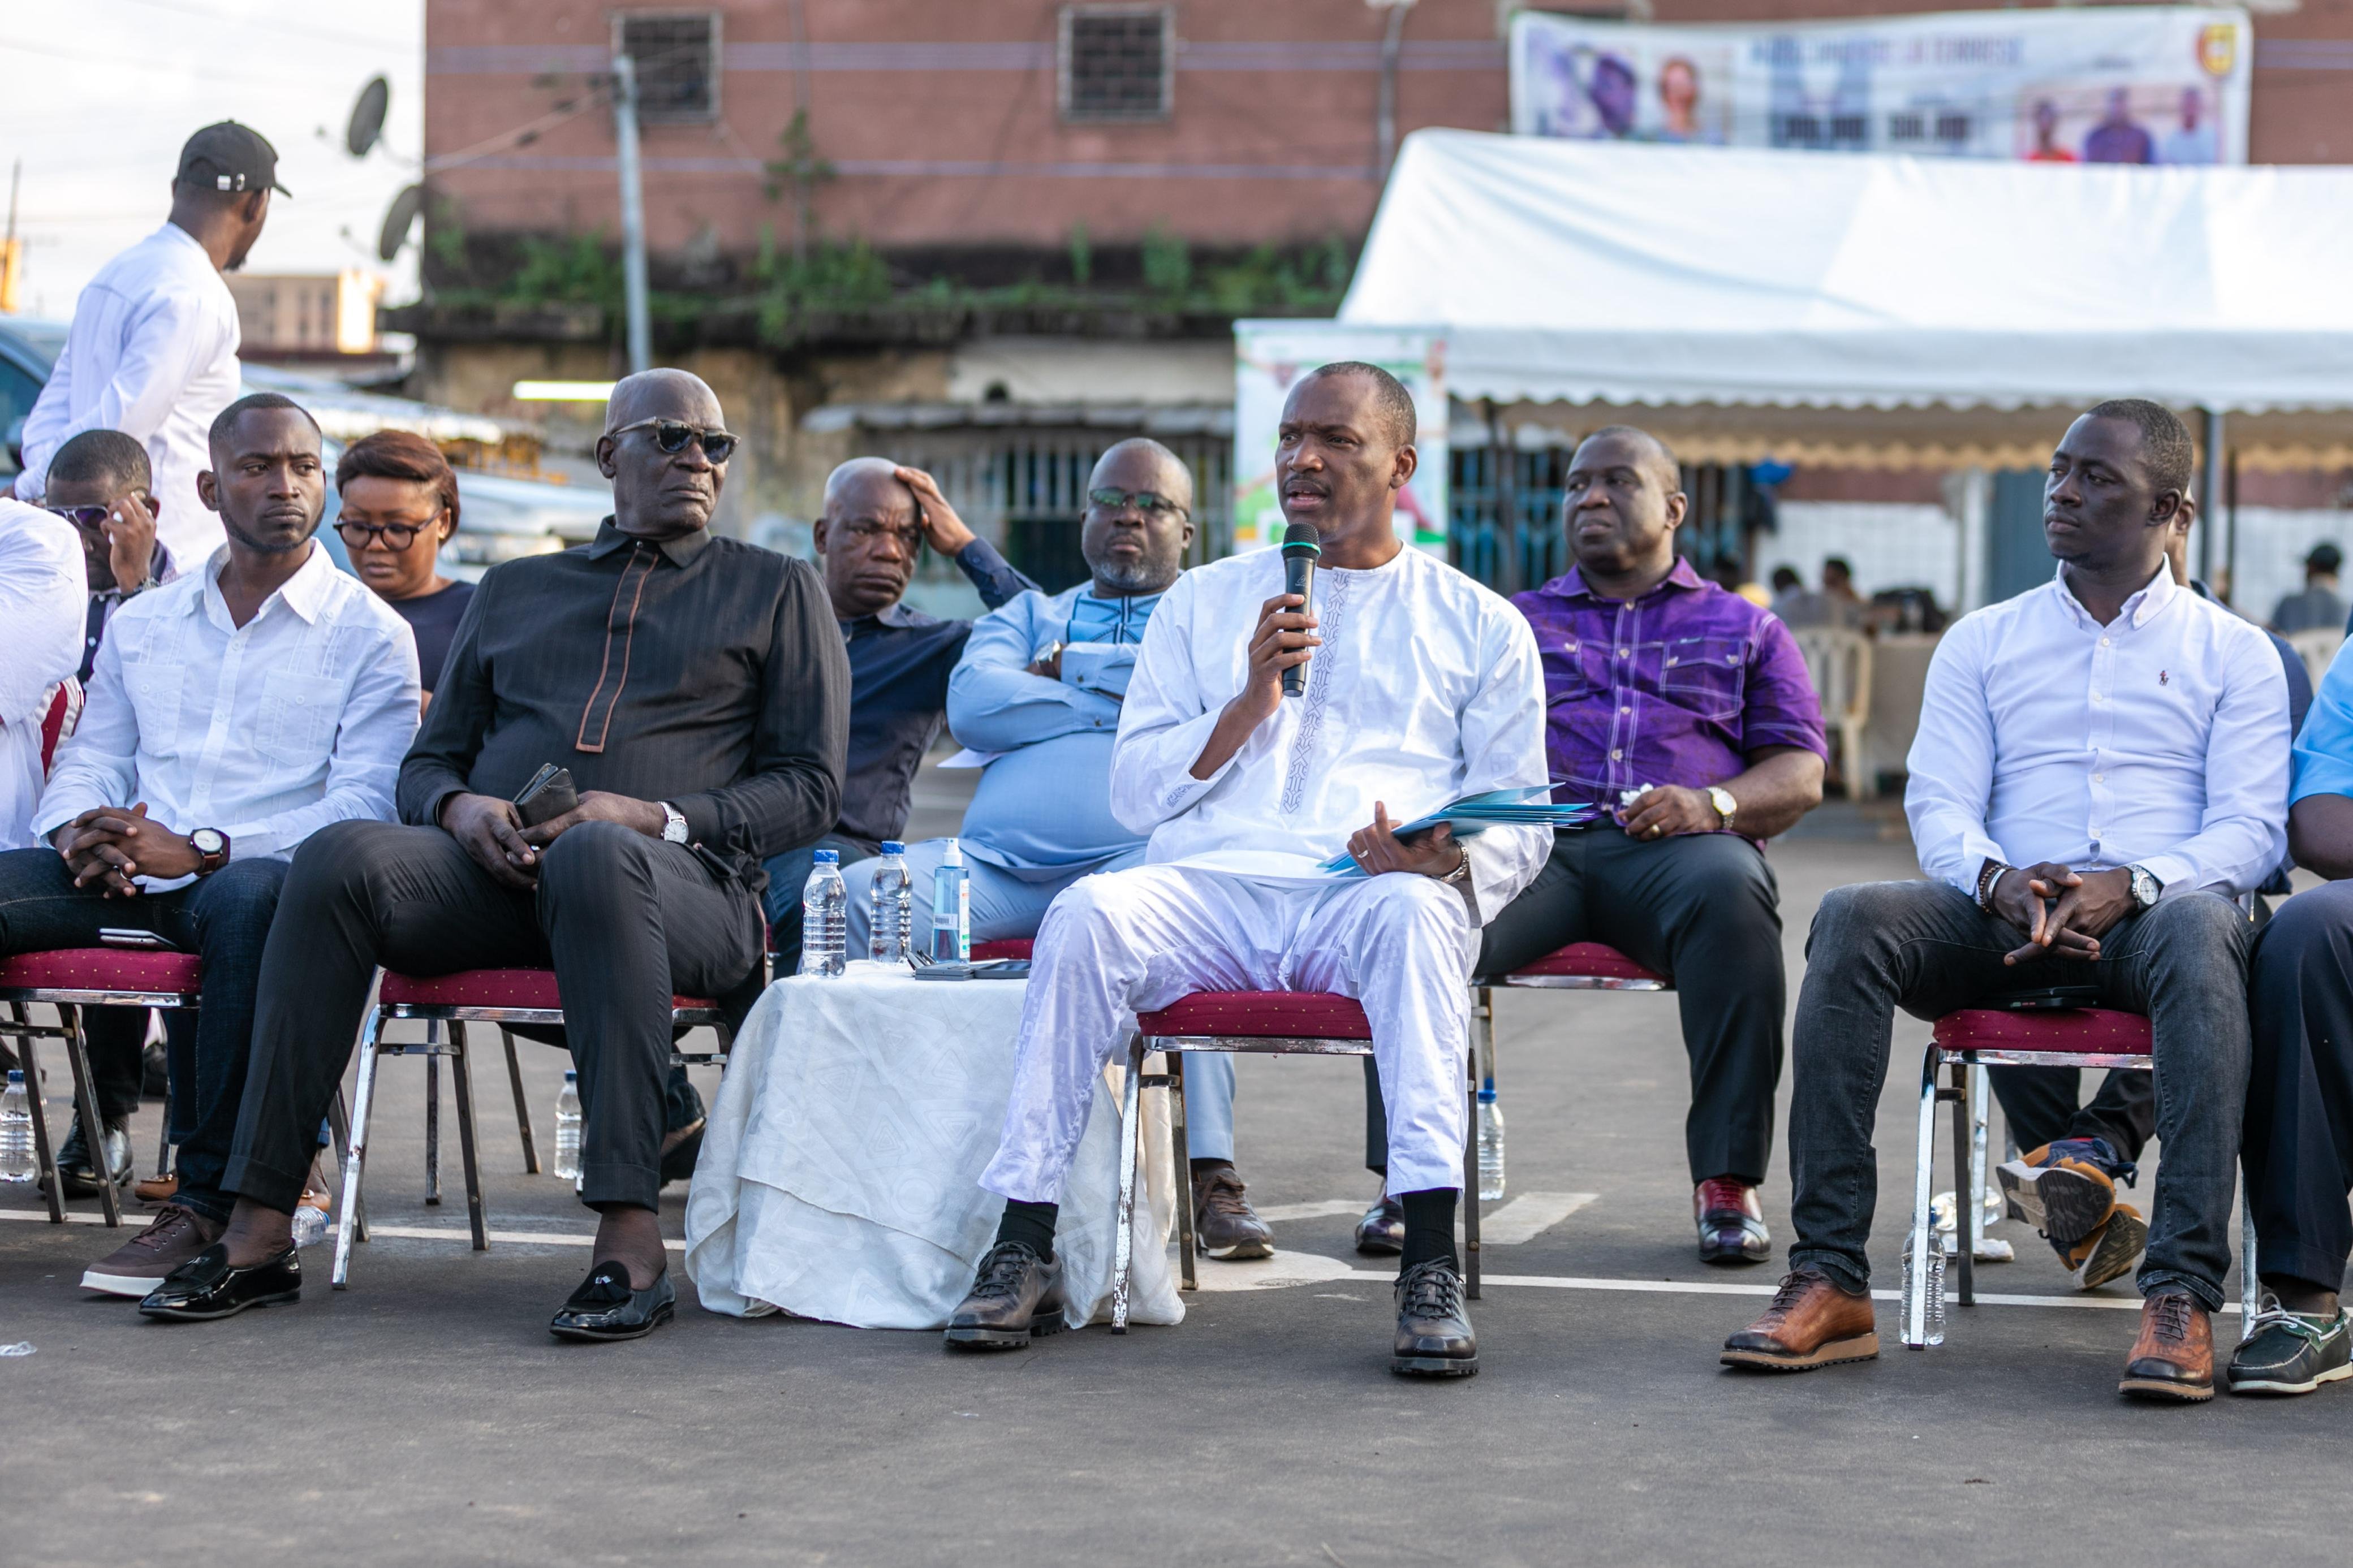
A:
[549,795]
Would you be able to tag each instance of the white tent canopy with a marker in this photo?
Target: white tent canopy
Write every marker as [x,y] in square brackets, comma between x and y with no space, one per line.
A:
[1621,274]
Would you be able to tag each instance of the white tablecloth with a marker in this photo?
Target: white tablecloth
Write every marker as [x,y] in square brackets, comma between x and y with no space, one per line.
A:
[840,1175]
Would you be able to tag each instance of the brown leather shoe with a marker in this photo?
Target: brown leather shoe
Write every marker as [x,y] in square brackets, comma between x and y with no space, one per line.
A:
[1224,1225]
[2174,1356]
[1810,1323]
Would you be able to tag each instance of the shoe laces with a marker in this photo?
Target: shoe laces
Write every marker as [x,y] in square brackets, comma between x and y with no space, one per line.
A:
[1792,1289]
[1002,1268]
[1222,1194]
[1431,1290]
[166,1221]
[2172,1315]
[2270,1314]
[1722,1194]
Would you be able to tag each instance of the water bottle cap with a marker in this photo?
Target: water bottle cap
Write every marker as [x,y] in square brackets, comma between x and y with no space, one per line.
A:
[15,1078]
[1487,1095]
[572,1078]
[829,856]
[892,847]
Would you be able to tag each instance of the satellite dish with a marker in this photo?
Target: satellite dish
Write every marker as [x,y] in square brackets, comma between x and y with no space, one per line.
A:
[396,221]
[367,116]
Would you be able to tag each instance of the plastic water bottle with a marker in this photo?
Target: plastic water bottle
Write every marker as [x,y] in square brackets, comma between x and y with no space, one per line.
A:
[951,910]
[567,1127]
[16,1159]
[825,916]
[1490,1143]
[890,912]
[310,1226]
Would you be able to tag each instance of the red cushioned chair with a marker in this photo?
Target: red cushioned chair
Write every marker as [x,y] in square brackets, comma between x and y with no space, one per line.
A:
[70,980]
[1266,1023]
[2032,1030]
[499,996]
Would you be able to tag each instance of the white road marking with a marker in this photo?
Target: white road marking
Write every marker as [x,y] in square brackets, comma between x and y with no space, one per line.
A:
[1529,1215]
[1351,1206]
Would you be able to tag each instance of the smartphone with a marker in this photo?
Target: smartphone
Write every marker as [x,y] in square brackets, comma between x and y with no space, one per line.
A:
[147,940]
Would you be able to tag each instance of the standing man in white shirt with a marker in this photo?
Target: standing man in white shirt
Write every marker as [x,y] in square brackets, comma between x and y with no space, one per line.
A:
[153,351]
[1421,686]
[2101,767]
[232,713]
[43,598]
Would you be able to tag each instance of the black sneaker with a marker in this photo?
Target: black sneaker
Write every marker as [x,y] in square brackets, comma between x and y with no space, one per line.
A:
[1434,1332]
[1016,1297]
[2290,1352]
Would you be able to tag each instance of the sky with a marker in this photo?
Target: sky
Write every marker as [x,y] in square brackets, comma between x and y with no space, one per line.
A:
[100,94]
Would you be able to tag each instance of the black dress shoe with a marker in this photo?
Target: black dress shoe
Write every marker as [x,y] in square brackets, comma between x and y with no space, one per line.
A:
[81,1171]
[206,1285]
[1381,1233]
[1016,1297]
[604,1308]
[1731,1223]
[1433,1333]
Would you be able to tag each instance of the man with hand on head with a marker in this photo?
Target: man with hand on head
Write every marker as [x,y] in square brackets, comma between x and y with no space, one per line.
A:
[1420,687]
[2101,768]
[233,714]
[877,518]
[1695,703]
[696,688]
[1040,687]
[153,351]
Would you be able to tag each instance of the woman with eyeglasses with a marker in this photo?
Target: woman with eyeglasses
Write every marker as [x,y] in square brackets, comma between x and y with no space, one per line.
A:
[399,507]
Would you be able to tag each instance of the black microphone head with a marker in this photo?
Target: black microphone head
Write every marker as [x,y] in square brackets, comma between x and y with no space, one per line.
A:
[1301,539]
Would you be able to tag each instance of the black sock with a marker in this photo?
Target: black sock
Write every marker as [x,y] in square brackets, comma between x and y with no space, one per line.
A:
[1031,1225]
[1210,1167]
[1429,1227]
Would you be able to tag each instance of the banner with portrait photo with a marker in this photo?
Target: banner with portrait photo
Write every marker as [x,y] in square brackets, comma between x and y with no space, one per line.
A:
[1270,358]
[2125,84]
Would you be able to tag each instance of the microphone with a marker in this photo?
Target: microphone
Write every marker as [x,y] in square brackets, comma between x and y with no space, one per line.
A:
[1301,545]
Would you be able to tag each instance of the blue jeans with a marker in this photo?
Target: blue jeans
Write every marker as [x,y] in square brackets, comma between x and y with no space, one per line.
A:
[225,919]
[1008,904]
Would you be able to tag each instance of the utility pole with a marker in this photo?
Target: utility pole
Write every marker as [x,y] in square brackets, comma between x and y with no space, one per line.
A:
[2210,492]
[12,255]
[1385,119]
[633,214]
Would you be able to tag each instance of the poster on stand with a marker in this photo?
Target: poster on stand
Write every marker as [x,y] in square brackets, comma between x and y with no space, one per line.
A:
[2111,84]
[1270,358]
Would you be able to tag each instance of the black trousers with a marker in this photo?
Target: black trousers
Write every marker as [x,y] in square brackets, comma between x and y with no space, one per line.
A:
[1704,907]
[2044,1105]
[2297,1144]
[224,918]
[625,921]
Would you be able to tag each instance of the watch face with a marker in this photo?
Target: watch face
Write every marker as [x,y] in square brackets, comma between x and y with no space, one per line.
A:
[207,841]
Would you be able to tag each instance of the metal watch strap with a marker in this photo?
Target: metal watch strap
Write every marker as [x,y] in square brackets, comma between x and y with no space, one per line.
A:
[1461,872]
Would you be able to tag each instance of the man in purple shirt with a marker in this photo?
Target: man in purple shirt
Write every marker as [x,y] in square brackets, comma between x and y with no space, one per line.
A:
[1686,712]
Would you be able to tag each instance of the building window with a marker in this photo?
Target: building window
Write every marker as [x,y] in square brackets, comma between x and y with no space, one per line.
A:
[676,54]
[1117,62]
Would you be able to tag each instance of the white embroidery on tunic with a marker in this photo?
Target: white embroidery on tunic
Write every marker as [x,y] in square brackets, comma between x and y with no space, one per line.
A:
[1329,615]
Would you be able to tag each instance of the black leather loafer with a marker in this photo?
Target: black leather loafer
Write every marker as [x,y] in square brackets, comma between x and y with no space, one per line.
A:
[604,1308]
[1381,1233]
[206,1286]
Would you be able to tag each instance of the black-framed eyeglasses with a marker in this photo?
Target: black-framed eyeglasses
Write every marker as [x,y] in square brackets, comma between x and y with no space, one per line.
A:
[1120,500]
[82,516]
[396,536]
[672,435]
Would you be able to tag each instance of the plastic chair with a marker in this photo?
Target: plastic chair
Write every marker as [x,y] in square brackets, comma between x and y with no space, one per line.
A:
[1838,661]
[2317,648]
[1266,1023]
[2032,1030]
[499,996]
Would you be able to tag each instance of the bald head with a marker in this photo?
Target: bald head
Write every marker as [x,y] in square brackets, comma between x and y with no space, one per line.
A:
[1135,543]
[1624,500]
[659,494]
[1141,463]
[1631,442]
[664,394]
[860,481]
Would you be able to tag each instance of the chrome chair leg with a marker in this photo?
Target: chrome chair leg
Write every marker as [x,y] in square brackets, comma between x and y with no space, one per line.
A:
[1471,1185]
[339,1129]
[433,1113]
[1180,1146]
[2251,1289]
[1918,1331]
[1963,1193]
[45,1155]
[1123,1256]
[522,1107]
[462,1079]
[362,1100]
[1981,1093]
[93,1133]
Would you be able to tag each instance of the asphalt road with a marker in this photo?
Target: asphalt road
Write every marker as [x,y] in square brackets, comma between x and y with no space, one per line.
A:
[424,1417]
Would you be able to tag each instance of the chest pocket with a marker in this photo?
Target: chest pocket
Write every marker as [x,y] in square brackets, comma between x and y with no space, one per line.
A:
[298,714]
[157,687]
[1705,676]
[1569,672]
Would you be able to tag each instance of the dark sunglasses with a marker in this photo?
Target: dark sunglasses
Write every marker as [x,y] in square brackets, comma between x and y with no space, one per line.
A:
[82,516]
[672,435]
[396,535]
[1120,500]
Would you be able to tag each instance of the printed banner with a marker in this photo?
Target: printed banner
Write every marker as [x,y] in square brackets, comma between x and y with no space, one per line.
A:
[1269,357]
[2106,85]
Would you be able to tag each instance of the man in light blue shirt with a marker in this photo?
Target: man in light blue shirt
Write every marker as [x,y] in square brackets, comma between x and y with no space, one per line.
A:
[1038,692]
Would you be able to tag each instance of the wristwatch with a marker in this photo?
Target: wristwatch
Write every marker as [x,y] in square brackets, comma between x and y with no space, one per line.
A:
[1724,805]
[2145,888]
[211,846]
[673,824]
[1461,872]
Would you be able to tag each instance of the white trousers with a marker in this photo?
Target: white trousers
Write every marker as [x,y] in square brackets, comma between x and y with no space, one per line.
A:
[1131,941]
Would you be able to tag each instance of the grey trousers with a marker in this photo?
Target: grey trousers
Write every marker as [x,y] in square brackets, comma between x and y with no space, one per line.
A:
[1928,949]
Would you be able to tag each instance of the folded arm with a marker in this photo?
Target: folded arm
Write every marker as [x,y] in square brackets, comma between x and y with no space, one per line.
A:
[996,704]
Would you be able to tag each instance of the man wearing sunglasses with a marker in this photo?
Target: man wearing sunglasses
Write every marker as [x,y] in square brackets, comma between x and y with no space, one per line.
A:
[877,518]
[696,688]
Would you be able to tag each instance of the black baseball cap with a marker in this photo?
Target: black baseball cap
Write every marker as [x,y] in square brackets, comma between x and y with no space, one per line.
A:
[229,157]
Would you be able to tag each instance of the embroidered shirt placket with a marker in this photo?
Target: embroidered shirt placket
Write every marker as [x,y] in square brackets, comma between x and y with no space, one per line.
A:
[621,621]
[1329,615]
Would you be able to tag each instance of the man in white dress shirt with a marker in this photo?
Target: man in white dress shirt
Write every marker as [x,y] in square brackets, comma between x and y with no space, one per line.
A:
[232,713]
[153,351]
[44,596]
[1420,687]
[2101,768]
